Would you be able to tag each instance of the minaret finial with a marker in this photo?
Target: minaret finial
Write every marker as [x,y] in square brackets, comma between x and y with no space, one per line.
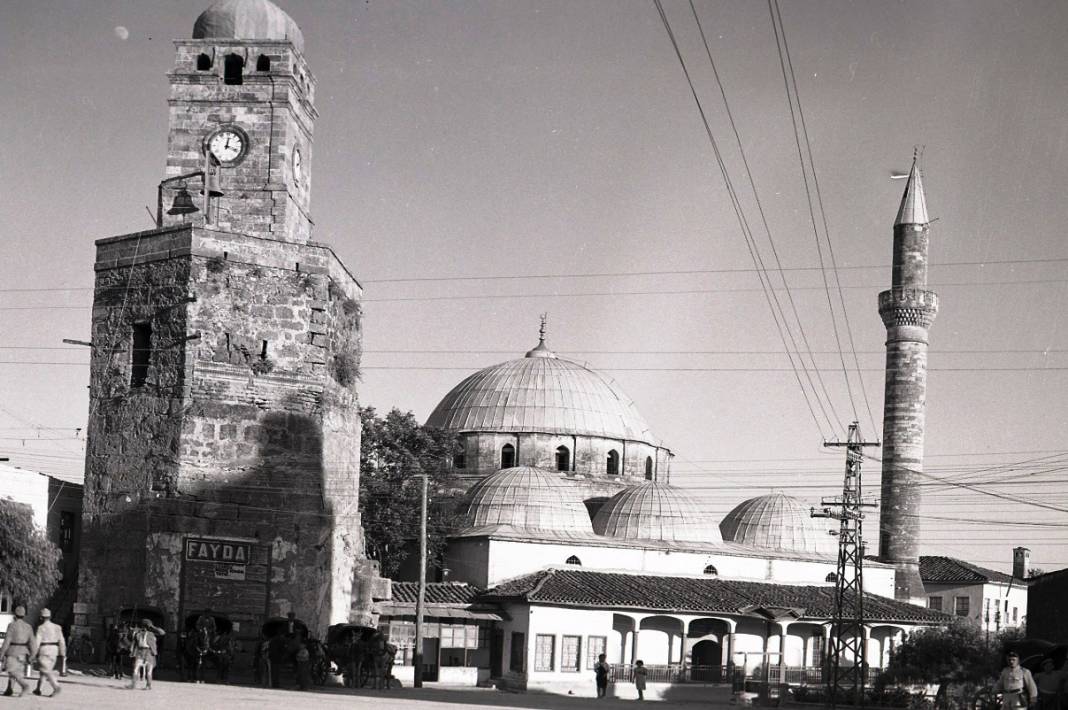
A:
[913,209]
[541,330]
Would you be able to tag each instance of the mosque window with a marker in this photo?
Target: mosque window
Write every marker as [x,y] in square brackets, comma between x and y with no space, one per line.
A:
[711,570]
[832,578]
[459,454]
[648,468]
[544,652]
[203,63]
[613,463]
[142,354]
[573,560]
[563,459]
[263,63]
[233,66]
[507,456]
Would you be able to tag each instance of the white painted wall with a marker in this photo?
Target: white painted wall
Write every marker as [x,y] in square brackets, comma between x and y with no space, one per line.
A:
[998,593]
[506,559]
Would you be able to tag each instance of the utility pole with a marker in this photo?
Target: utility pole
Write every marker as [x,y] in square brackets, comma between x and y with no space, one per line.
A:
[417,655]
[848,638]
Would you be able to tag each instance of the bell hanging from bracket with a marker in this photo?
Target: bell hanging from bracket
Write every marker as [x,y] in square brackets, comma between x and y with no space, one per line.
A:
[211,179]
[183,202]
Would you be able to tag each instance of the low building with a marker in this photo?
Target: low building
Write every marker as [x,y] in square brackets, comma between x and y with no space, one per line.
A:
[993,600]
[56,504]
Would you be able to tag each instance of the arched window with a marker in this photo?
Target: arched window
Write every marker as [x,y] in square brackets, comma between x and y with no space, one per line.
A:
[613,463]
[711,570]
[233,66]
[507,456]
[573,560]
[459,454]
[648,468]
[563,458]
[263,63]
[203,62]
[832,578]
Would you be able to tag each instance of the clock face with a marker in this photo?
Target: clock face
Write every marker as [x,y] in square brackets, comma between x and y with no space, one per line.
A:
[227,146]
[298,165]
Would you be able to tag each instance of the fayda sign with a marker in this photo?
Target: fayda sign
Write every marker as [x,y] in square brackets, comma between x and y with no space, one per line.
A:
[228,557]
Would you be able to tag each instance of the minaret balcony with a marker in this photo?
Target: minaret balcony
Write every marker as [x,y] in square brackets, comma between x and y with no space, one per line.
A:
[908,307]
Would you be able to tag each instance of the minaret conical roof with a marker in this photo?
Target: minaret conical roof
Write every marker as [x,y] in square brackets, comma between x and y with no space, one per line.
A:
[913,208]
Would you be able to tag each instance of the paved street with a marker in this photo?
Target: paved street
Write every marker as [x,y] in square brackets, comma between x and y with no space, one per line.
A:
[93,692]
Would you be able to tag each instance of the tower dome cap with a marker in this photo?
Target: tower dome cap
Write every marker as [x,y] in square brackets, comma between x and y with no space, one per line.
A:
[777,522]
[528,498]
[247,19]
[654,511]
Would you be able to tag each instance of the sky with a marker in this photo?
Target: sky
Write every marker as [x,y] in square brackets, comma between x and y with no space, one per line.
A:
[479,163]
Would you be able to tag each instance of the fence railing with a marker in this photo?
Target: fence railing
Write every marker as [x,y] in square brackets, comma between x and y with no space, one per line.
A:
[680,673]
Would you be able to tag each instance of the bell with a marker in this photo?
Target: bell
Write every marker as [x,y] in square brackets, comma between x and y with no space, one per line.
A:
[183,203]
[212,181]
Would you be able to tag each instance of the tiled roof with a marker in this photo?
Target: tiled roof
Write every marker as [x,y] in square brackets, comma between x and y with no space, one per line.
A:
[436,592]
[609,590]
[948,570]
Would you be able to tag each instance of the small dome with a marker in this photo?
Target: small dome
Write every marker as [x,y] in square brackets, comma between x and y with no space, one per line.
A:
[247,19]
[541,393]
[527,497]
[653,511]
[777,522]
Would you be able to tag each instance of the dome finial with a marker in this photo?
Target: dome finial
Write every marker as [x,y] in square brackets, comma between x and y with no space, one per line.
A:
[541,349]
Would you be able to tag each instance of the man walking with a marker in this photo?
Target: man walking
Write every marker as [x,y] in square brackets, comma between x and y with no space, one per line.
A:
[20,645]
[50,646]
[1015,684]
[144,652]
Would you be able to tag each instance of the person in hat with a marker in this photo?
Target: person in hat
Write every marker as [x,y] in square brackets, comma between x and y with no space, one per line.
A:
[50,646]
[1050,683]
[144,650]
[1015,685]
[20,645]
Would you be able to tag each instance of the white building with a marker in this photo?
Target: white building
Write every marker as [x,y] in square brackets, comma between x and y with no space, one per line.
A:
[993,600]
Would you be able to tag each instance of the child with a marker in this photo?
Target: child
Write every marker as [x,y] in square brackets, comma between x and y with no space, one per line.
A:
[303,667]
[639,679]
[601,672]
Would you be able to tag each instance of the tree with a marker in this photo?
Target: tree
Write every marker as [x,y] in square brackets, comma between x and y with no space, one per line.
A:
[396,450]
[959,652]
[29,561]
[1035,572]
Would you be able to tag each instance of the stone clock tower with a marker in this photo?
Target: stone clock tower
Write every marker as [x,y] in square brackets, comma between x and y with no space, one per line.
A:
[222,465]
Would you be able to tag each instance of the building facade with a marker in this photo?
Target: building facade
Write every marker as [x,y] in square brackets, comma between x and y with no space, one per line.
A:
[222,467]
[993,600]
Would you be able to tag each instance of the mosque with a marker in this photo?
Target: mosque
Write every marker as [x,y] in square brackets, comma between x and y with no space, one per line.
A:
[572,542]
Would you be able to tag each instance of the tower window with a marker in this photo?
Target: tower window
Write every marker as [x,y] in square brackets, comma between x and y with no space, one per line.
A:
[563,459]
[142,354]
[507,456]
[66,531]
[203,62]
[263,63]
[573,560]
[613,463]
[648,468]
[233,66]
[711,570]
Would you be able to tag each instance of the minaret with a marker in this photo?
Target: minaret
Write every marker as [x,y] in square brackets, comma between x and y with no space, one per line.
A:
[907,310]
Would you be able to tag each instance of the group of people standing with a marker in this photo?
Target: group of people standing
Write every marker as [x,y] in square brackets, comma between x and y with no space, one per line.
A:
[1044,690]
[601,671]
[23,646]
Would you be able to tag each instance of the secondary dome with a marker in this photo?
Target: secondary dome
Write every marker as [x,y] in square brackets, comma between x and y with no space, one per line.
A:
[541,393]
[247,19]
[777,522]
[654,511]
[526,497]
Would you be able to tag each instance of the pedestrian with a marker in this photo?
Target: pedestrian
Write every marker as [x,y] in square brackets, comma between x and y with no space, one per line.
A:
[1050,684]
[639,678]
[50,646]
[600,670]
[144,650]
[20,645]
[303,667]
[1015,684]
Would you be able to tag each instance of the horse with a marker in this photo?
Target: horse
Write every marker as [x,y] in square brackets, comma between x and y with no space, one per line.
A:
[379,654]
[119,643]
[198,645]
[222,655]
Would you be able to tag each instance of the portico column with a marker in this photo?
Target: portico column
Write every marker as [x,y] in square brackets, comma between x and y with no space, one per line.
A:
[634,644]
[728,647]
[825,653]
[784,626]
[865,637]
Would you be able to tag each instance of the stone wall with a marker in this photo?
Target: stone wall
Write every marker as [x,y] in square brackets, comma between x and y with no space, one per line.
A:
[245,430]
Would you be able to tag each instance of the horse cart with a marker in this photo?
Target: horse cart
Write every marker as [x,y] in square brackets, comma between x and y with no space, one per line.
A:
[362,655]
[118,637]
[206,638]
[280,641]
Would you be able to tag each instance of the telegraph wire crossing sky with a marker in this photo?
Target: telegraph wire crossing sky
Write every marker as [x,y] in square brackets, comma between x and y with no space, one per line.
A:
[479,144]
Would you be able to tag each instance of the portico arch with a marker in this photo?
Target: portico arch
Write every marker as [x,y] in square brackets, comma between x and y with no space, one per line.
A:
[659,640]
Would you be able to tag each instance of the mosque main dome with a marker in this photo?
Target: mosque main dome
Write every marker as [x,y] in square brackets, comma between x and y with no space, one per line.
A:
[542,393]
[528,498]
[777,522]
[654,511]
[247,19]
